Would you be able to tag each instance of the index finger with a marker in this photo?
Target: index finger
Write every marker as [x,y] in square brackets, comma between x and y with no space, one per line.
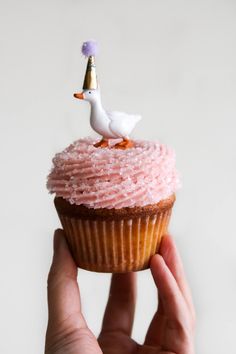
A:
[168,290]
[171,256]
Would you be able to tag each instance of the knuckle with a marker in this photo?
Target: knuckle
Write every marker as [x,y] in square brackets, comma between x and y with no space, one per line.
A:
[62,342]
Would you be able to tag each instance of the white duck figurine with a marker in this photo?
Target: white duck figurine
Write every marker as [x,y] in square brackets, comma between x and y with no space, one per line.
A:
[111,125]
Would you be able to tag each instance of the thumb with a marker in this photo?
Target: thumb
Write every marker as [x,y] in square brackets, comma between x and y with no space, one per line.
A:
[67,331]
[63,290]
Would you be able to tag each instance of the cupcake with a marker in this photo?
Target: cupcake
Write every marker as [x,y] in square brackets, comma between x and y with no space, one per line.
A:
[114,196]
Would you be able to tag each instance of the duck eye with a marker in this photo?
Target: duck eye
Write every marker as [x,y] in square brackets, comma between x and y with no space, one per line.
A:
[89,91]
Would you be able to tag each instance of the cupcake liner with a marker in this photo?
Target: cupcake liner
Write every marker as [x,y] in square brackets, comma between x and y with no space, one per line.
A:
[115,245]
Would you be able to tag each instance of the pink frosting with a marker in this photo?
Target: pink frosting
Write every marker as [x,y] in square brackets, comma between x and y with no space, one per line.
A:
[112,178]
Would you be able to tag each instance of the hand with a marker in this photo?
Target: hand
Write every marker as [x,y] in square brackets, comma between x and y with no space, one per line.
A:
[171,329]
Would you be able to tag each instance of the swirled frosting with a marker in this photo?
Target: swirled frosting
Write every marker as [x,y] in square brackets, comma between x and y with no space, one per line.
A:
[113,178]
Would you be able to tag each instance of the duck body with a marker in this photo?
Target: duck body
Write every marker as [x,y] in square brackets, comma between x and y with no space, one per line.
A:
[122,123]
[111,125]
[100,122]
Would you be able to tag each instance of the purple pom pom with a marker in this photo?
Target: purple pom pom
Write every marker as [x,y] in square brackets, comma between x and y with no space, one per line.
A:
[90,48]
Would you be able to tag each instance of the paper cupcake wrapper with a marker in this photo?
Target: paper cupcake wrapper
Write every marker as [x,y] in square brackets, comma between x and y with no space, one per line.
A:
[115,245]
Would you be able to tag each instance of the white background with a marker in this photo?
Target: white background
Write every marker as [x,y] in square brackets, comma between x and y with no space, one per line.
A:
[172,61]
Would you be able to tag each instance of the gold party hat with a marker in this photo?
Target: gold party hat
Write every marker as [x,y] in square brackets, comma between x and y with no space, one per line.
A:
[90,79]
[89,49]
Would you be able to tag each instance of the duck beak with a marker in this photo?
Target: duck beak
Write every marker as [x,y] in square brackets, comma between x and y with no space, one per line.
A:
[80,96]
